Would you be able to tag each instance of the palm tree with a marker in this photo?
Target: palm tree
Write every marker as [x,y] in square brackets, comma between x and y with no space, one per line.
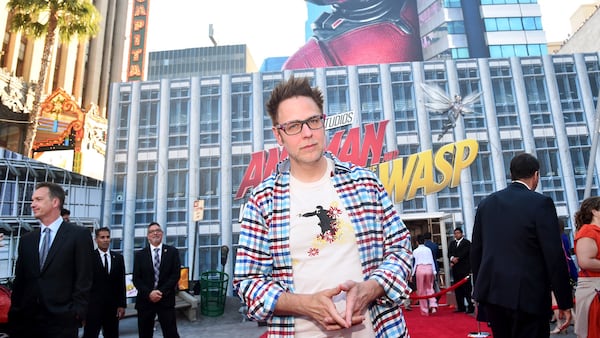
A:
[47,18]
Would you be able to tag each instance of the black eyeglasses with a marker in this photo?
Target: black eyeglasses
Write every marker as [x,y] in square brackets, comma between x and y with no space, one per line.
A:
[295,127]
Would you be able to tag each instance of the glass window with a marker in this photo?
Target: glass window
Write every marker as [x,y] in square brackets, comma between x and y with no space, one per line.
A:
[179,117]
[148,123]
[550,169]
[370,97]
[210,112]
[241,103]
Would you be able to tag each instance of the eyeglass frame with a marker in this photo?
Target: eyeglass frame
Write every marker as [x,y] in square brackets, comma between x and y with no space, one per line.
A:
[302,123]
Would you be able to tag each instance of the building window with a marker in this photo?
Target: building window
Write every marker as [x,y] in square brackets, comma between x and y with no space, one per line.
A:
[145,194]
[435,75]
[579,149]
[210,114]
[405,117]
[513,24]
[504,98]
[179,117]
[568,89]
[510,148]
[550,170]
[535,91]
[241,101]
[481,173]
[209,176]
[593,71]
[268,86]
[148,124]
[370,97]
[337,94]
[469,83]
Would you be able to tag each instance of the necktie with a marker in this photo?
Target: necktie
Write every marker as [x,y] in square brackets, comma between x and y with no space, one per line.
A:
[45,247]
[156,266]
[106,263]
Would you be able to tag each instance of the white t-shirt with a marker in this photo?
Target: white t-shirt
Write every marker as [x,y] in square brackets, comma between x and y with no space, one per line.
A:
[323,249]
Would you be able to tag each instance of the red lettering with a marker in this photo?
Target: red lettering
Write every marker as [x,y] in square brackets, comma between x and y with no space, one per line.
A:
[350,151]
[335,142]
[253,174]
[373,142]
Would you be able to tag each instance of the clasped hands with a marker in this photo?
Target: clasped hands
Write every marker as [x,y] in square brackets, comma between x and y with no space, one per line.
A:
[155,296]
[320,306]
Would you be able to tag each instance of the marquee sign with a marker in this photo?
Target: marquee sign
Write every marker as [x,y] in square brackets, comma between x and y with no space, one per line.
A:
[402,177]
[137,48]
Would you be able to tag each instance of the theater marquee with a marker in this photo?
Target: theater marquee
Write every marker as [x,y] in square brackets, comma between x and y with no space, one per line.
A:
[137,47]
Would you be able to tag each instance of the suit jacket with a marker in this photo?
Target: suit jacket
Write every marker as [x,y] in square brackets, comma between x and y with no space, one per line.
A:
[63,284]
[516,254]
[143,276]
[108,290]
[462,251]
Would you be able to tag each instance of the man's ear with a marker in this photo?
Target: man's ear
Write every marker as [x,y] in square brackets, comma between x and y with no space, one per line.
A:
[277,134]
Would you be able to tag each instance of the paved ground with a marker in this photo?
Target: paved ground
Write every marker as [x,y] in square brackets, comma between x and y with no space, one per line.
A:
[229,325]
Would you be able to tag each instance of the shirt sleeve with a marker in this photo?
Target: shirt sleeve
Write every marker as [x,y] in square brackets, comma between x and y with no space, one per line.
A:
[396,267]
[253,277]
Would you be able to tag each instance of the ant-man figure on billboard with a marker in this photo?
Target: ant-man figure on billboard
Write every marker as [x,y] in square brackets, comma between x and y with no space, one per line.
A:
[361,32]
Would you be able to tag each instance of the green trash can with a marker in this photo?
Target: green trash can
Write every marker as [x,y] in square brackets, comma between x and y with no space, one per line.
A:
[213,292]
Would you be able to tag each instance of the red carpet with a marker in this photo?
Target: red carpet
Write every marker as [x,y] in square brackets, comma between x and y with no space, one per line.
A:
[445,323]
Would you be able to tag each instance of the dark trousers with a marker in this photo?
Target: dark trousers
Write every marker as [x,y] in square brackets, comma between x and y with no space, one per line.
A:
[507,323]
[463,293]
[166,318]
[39,323]
[101,317]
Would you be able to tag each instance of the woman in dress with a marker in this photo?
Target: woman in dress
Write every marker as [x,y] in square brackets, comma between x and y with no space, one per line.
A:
[587,242]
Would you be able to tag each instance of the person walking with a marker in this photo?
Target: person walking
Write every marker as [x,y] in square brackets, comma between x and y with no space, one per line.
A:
[108,301]
[517,256]
[53,272]
[155,276]
[435,251]
[425,273]
[460,266]
[321,246]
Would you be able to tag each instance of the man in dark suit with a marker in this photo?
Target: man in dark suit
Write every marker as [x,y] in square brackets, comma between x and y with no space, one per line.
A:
[517,256]
[155,276]
[53,273]
[458,252]
[108,301]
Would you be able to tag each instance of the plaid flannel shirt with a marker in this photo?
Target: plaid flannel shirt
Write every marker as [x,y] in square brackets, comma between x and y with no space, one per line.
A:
[263,269]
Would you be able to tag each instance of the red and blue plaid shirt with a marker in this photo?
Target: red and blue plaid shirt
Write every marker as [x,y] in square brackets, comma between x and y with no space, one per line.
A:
[263,269]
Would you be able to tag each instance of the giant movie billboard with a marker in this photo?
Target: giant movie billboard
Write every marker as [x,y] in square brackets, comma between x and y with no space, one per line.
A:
[355,32]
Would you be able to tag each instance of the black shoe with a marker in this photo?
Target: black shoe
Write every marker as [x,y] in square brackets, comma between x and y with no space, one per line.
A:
[470,310]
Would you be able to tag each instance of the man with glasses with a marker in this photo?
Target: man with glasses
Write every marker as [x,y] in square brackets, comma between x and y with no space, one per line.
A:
[321,246]
[155,276]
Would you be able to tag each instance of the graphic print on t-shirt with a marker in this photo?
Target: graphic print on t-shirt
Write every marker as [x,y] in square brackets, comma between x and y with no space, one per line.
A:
[331,224]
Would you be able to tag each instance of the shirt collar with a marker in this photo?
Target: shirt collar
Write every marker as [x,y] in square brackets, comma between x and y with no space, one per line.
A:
[152,247]
[54,226]
[523,183]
